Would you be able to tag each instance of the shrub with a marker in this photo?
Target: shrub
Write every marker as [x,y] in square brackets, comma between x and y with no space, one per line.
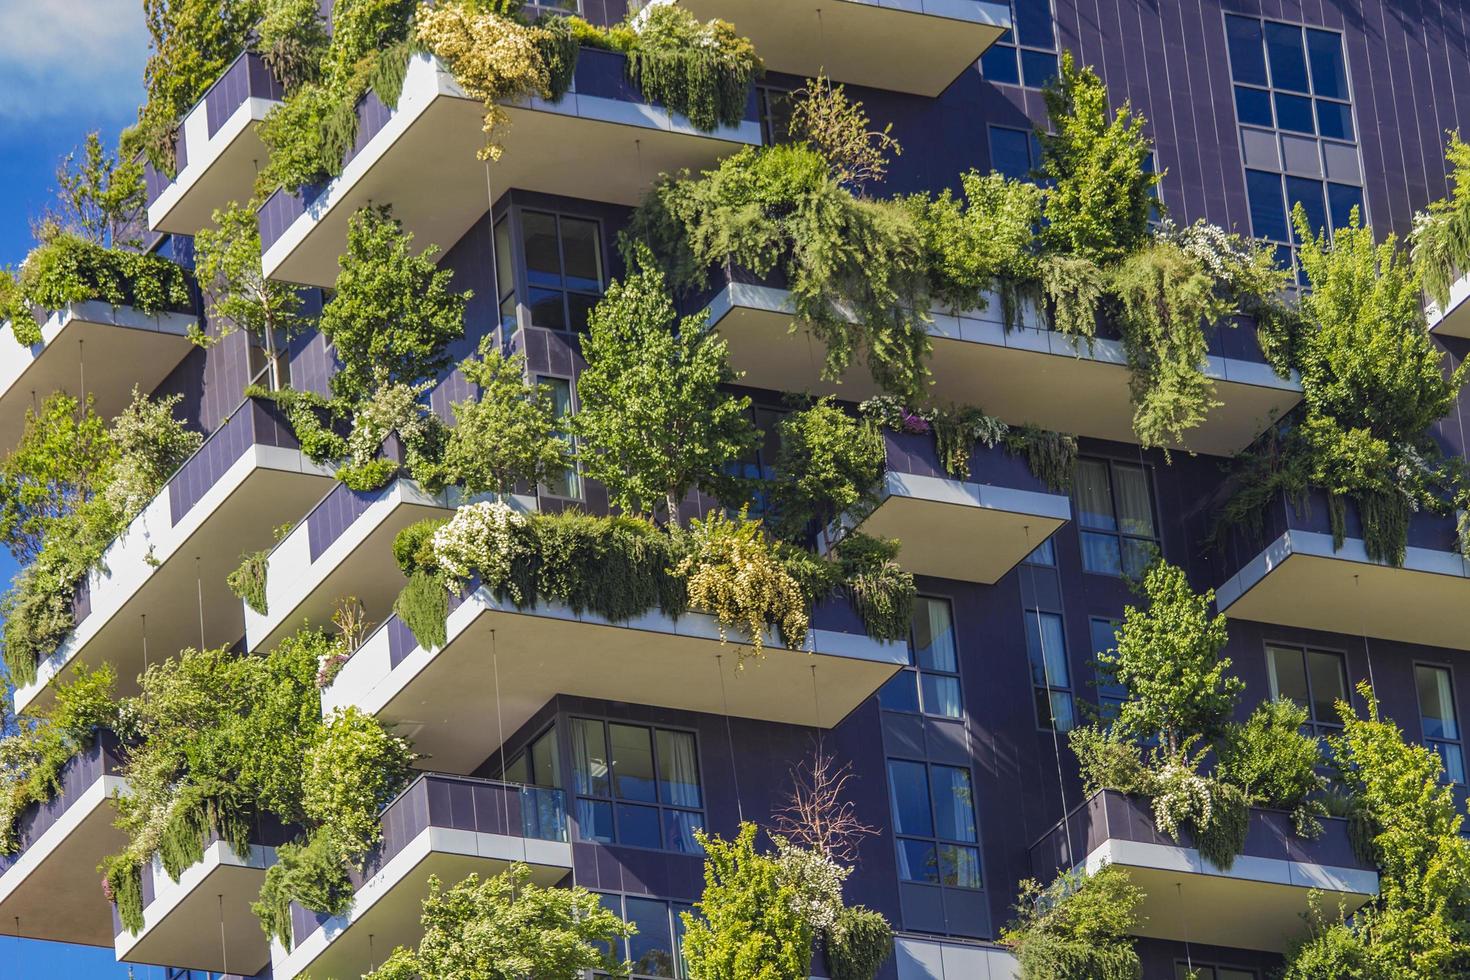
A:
[881,591]
[248,581]
[1077,928]
[858,944]
[423,606]
[828,467]
[1276,764]
[508,435]
[413,547]
[701,71]
[292,39]
[1441,237]
[829,122]
[734,575]
[66,268]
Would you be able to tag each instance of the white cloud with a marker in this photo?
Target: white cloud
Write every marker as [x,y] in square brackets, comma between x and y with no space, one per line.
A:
[64,57]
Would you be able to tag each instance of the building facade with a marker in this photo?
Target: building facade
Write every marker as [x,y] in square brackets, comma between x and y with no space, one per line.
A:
[592,751]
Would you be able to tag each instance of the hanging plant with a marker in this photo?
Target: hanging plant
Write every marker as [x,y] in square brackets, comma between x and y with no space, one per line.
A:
[701,71]
[248,581]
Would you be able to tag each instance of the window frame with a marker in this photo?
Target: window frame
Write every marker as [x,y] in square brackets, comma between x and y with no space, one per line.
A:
[1183,968]
[574,471]
[613,800]
[1432,743]
[1010,43]
[1319,729]
[1033,614]
[1118,534]
[523,273]
[917,673]
[676,932]
[1100,683]
[934,839]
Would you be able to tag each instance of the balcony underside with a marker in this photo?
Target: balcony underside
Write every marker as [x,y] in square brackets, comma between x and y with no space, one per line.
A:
[424,163]
[965,531]
[919,46]
[1299,580]
[203,921]
[386,910]
[105,348]
[175,575]
[1022,376]
[219,172]
[53,891]
[498,658]
[1260,903]
[359,564]
[1454,319]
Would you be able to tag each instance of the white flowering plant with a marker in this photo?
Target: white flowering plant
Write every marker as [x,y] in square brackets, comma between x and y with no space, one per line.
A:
[481,538]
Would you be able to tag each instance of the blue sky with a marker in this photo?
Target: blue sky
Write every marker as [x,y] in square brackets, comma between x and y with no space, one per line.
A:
[66,67]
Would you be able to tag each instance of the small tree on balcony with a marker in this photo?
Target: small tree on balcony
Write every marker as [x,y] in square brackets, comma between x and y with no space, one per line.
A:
[655,418]
[506,928]
[101,197]
[63,458]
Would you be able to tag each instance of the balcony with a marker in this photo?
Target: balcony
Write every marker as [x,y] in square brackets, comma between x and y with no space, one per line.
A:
[1258,904]
[218,151]
[973,530]
[1298,579]
[1454,319]
[1023,375]
[445,698]
[448,826]
[49,887]
[915,46]
[203,921]
[161,585]
[421,158]
[95,346]
[344,547]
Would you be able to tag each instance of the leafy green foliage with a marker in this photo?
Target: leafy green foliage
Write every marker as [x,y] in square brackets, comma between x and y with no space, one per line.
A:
[413,547]
[1441,237]
[748,926]
[858,944]
[735,573]
[292,40]
[655,418]
[1077,928]
[507,435]
[249,579]
[423,605]
[33,756]
[193,42]
[1419,925]
[854,267]
[827,467]
[1098,203]
[838,128]
[880,590]
[62,461]
[393,313]
[102,198]
[506,928]
[1276,764]
[701,71]
[1052,456]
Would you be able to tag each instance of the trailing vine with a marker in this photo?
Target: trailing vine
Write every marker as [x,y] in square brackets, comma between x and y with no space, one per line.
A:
[248,580]
[701,71]
[1441,236]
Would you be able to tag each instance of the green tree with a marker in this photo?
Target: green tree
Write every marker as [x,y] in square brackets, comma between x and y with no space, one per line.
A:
[505,928]
[507,435]
[227,263]
[1098,202]
[1077,928]
[654,417]
[749,925]
[1168,657]
[101,198]
[64,457]
[393,315]
[828,466]
[1419,925]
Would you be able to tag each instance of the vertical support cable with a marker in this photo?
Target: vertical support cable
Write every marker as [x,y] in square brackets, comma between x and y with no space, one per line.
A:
[199,588]
[1056,742]
[224,953]
[729,736]
[500,730]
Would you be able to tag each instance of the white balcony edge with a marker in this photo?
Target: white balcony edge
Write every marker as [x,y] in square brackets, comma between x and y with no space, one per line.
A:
[1263,870]
[928,958]
[98,794]
[368,682]
[169,894]
[427,80]
[1459,295]
[203,151]
[16,359]
[431,840]
[152,535]
[1316,544]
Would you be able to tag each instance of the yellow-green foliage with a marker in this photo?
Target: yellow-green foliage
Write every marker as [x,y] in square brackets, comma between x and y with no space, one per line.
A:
[702,71]
[735,575]
[1077,928]
[1441,236]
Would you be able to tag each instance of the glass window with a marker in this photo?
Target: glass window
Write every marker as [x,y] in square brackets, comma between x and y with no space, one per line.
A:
[931,682]
[1010,152]
[775,113]
[1439,719]
[1341,200]
[1110,694]
[1116,516]
[1034,26]
[999,65]
[656,948]
[1294,113]
[1045,554]
[644,792]
[1051,680]
[1335,119]
[1288,60]
[505,275]
[1267,206]
[1253,106]
[1329,69]
[1307,193]
[568,483]
[1196,971]
[563,257]
[1314,679]
[1038,68]
[1247,50]
[934,822]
